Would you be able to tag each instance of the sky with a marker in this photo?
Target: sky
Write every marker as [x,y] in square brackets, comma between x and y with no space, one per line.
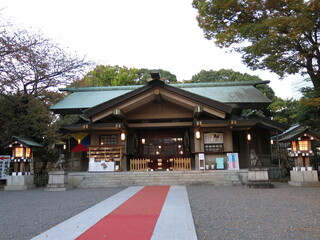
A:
[153,34]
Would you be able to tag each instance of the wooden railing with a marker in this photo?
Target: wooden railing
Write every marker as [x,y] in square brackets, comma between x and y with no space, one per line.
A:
[181,164]
[139,164]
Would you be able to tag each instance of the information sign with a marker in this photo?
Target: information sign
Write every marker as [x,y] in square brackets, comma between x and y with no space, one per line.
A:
[4,165]
[233,161]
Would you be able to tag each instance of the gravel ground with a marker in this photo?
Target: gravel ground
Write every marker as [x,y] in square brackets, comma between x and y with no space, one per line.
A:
[284,212]
[25,214]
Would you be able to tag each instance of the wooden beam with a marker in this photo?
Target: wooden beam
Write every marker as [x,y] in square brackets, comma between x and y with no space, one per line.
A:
[166,124]
[157,96]
[118,113]
[198,110]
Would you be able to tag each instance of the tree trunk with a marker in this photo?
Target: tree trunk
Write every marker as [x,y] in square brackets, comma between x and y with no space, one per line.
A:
[316,84]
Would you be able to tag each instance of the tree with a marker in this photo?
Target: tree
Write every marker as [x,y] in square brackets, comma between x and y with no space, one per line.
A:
[31,67]
[309,110]
[228,75]
[281,36]
[223,75]
[144,75]
[108,76]
[31,63]
[118,76]
[26,116]
[284,111]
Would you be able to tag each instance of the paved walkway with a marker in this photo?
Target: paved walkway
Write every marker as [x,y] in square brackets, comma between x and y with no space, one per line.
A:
[174,222]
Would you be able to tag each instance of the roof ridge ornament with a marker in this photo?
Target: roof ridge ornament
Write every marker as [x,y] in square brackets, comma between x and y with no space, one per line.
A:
[155,75]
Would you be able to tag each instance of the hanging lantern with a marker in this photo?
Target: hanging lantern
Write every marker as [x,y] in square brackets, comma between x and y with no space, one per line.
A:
[198,134]
[123,136]
[249,136]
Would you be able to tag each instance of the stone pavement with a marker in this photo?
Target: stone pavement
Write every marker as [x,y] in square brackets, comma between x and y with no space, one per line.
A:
[175,220]
[228,213]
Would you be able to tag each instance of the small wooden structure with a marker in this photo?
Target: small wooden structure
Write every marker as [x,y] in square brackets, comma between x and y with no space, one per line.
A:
[22,159]
[300,138]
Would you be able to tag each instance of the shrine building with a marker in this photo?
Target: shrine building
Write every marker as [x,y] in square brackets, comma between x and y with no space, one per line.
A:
[166,127]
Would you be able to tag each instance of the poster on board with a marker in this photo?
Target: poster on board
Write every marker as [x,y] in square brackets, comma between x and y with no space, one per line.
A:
[213,138]
[233,161]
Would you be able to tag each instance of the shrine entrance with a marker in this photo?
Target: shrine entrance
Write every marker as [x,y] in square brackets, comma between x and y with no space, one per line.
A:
[162,146]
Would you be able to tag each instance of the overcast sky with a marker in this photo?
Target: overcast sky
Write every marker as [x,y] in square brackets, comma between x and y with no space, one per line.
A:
[133,33]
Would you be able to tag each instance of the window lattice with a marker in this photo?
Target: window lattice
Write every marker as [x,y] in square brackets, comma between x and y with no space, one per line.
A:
[108,139]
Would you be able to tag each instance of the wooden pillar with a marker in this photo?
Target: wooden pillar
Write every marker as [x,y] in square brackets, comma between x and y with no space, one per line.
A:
[16,167]
[299,161]
[21,167]
[307,161]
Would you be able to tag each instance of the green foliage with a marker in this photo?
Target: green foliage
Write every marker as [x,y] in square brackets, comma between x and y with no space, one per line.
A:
[282,36]
[284,111]
[223,75]
[119,76]
[144,75]
[26,116]
[228,75]
[111,76]
[309,111]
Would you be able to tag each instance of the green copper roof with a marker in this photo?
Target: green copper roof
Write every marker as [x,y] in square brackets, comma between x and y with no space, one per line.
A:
[225,92]
[27,142]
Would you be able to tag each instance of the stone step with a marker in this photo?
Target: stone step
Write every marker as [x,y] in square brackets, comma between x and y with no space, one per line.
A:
[217,178]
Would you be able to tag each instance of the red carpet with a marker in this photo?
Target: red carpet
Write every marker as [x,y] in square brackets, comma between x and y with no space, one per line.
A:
[135,219]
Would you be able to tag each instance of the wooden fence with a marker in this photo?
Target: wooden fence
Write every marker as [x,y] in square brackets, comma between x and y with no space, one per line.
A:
[181,164]
[139,164]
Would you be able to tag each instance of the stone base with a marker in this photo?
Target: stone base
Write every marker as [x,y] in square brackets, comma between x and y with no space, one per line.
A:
[19,183]
[304,184]
[304,179]
[58,181]
[258,178]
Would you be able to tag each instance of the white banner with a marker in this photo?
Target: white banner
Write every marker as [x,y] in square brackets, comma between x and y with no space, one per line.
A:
[101,166]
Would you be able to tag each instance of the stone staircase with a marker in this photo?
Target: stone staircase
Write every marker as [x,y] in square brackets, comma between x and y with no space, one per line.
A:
[124,179]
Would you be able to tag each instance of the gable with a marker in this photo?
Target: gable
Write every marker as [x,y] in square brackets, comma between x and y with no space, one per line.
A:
[158,93]
[159,110]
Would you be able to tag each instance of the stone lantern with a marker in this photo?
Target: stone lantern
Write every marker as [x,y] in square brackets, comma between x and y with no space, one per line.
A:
[21,177]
